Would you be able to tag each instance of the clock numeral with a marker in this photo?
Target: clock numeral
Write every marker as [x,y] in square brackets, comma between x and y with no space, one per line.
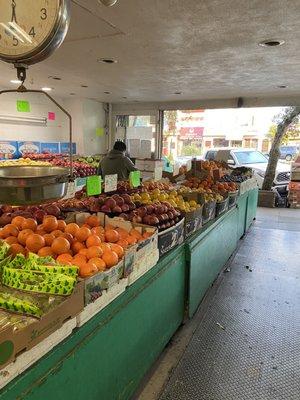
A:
[32,32]
[15,41]
[44,14]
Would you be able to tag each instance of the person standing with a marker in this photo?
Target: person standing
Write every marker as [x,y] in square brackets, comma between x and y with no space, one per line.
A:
[116,162]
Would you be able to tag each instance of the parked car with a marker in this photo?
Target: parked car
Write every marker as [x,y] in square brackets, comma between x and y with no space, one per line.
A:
[251,158]
[289,152]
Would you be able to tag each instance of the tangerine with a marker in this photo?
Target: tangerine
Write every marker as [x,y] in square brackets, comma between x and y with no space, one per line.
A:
[77,246]
[35,242]
[123,243]
[29,223]
[64,259]
[93,240]
[72,229]
[17,249]
[104,246]
[50,223]
[69,237]
[112,236]
[23,235]
[85,270]
[131,240]
[94,252]
[110,258]
[57,233]
[100,264]
[46,252]
[117,249]
[82,234]
[10,230]
[18,221]
[11,240]
[49,239]
[93,221]
[83,252]
[60,245]
[61,225]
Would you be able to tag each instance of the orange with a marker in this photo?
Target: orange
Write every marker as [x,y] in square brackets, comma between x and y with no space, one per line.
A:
[83,252]
[64,258]
[82,234]
[11,240]
[93,240]
[29,223]
[109,227]
[50,223]
[49,239]
[10,230]
[80,257]
[136,234]
[93,267]
[40,230]
[69,237]
[77,246]
[71,228]
[45,252]
[131,240]
[94,252]
[98,230]
[57,233]
[60,245]
[122,233]
[18,221]
[117,249]
[105,246]
[146,235]
[92,221]
[123,243]
[23,235]
[112,236]
[61,225]
[17,249]
[35,242]
[110,258]
[100,264]
[85,270]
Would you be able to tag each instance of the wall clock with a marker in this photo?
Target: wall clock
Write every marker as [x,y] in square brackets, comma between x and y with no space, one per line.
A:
[30,30]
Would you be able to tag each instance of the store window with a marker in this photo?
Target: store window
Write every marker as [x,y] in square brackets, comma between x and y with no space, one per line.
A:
[236,143]
[220,142]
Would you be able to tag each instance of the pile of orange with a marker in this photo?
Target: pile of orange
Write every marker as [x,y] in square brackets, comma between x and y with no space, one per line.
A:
[91,247]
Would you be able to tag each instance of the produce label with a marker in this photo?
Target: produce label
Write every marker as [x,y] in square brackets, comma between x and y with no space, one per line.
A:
[23,106]
[111,183]
[93,185]
[135,178]
[29,148]
[100,132]
[51,116]
[50,148]
[8,150]
[65,148]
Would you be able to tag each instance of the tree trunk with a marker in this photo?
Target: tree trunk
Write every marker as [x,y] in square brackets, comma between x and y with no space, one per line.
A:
[282,127]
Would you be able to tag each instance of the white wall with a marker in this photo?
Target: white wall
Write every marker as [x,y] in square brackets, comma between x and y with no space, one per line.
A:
[87,116]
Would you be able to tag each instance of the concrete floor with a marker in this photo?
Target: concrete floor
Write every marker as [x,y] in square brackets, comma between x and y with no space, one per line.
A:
[180,372]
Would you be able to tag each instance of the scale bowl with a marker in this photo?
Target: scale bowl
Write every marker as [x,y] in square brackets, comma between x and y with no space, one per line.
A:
[27,185]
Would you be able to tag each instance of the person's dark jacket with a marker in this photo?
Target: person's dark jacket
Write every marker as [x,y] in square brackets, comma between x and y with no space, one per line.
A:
[116,163]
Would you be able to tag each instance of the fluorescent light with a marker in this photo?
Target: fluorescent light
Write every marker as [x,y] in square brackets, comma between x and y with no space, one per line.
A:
[13,119]
[46,89]
[16,81]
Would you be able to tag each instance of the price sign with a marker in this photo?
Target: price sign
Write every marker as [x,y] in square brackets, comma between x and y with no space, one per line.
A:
[158,173]
[93,185]
[135,178]
[110,183]
[176,169]
[189,165]
[23,106]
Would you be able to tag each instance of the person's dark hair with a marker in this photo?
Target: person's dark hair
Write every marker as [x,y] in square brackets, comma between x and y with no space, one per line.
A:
[119,145]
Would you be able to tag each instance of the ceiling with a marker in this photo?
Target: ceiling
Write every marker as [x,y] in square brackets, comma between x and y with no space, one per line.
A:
[204,49]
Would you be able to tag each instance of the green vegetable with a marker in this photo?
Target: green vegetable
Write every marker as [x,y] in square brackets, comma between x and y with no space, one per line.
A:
[15,304]
[4,250]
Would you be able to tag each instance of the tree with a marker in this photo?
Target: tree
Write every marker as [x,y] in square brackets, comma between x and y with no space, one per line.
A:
[293,131]
[289,116]
[191,150]
[171,120]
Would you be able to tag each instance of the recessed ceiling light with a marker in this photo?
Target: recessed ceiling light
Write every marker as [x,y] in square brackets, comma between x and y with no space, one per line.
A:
[106,92]
[107,60]
[178,93]
[84,86]
[282,86]
[16,81]
[72,94]
[124,97]
[271,43]
[47,89]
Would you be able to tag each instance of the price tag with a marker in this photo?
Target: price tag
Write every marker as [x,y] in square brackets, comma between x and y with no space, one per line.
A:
[176,169]
[93,185]
[189,165]
[23,106]
[71,190]
[158,173]
[110,183]
[135,178]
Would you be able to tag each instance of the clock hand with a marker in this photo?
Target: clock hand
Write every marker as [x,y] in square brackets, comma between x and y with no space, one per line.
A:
[13,6]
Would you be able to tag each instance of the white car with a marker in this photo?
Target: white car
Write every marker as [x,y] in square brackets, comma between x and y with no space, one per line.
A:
[251,158]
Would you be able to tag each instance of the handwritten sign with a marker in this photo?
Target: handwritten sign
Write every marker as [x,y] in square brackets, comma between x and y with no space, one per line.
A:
[93,185]
[23,106]
[135,178]
[111,183]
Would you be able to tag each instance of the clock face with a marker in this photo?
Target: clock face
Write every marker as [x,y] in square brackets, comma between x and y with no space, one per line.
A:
[26,26]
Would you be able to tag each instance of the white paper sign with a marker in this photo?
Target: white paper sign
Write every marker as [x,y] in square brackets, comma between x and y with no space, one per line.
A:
[158,173]
[145,149]
[141,132]
[176,169]
[70,191]
[110,183]
[134,148]
[189,165]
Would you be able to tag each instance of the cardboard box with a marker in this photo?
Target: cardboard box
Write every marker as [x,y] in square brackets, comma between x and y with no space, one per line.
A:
[171,238]
[18,341]
[140,164]
[193,222]
[222,207]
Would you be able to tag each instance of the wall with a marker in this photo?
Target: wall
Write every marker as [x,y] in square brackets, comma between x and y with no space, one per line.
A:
[87,116]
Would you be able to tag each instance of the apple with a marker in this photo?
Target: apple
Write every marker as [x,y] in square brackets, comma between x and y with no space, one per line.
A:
[126,198]
[110,202]
[105,208]
[117,210]
[125,208]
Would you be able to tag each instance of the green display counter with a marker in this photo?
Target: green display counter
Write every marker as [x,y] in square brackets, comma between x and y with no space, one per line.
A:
[107,357]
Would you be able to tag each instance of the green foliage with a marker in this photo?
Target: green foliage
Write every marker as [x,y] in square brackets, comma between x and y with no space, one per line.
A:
[191,150]
[292,132]
[170,122]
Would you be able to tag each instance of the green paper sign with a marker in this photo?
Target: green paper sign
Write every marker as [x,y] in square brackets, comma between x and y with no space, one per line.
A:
[135,178]
[23,106]
[94,185]
[100,132]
